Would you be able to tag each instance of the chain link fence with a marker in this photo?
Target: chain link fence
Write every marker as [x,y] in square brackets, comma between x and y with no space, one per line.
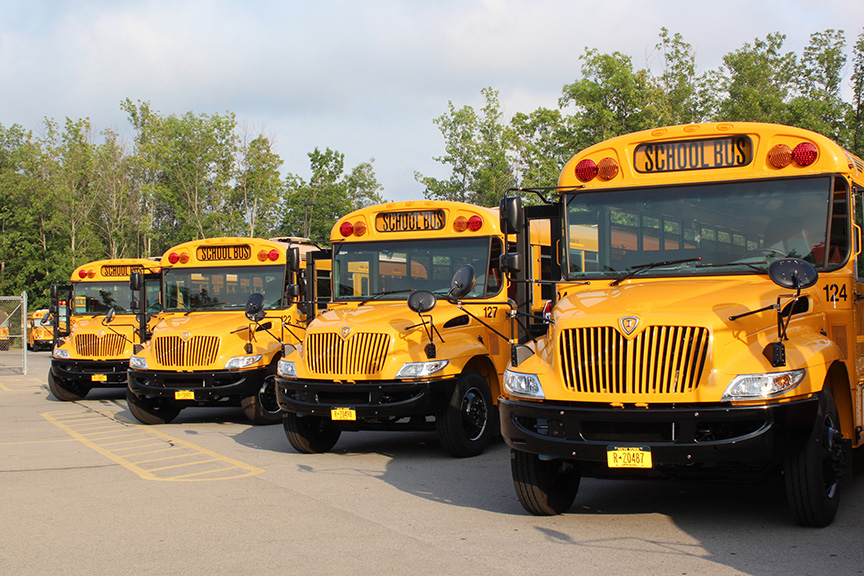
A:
[13,334]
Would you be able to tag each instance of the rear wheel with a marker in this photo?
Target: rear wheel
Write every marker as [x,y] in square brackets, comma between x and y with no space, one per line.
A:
[151,410]
[544,487]
[469,421]
[262,407]
[813,475]
[65,392]
[310,434]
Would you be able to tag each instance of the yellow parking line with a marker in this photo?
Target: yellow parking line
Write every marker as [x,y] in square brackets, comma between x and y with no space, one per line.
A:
[199,455]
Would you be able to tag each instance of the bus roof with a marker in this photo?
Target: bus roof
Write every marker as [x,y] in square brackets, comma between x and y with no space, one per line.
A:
[703,153]
[112,269]
[225,251]
[405,220]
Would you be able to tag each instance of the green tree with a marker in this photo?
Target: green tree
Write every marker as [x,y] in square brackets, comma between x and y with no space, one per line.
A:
[312,208]
[257,189]
[855,113]
[477,151]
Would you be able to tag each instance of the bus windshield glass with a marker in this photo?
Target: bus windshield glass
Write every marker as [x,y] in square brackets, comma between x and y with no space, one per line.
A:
[392,270]
[726,228]
[99,297]
[221,288]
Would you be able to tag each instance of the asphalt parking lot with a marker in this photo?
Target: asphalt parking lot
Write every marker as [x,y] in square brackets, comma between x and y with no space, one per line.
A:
[87,490]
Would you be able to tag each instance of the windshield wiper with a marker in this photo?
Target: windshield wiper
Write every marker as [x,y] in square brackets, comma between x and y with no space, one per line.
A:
[380,294]
[751,265]
[640,267]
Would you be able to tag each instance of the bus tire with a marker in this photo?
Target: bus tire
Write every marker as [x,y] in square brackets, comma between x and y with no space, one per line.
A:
[151,410]
[262,407]
[310,434]
[63,392]
[469,421]
[812,475]
[544,487]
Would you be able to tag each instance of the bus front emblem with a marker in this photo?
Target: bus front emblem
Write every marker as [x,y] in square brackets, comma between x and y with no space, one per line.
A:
[345,331]
[185,336]
[628,324]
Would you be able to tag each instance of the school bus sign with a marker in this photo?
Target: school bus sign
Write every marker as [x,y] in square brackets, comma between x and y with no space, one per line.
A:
[725,152]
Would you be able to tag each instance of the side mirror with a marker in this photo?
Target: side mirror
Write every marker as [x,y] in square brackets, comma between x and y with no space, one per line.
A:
[55,292]
[292,256]
[293,290]
[510,263]
[462,283]
[511,215]
[134,305]
[255,307]
[109,316]
[52,310]
[421,301]
[793,273]
[135,281]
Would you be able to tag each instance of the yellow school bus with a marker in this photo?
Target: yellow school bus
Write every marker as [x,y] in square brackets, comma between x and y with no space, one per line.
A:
[715,328]
[416,333]
[97,328]
[228,305]
[40,330]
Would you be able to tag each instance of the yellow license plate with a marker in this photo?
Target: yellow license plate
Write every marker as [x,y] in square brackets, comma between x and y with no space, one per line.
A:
[184,394]
[98,378]
[628,457]
[343,414]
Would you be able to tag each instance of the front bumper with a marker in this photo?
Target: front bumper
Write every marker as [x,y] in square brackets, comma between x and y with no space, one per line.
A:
[214,387]
[372,401]
[677,435]
[82,373]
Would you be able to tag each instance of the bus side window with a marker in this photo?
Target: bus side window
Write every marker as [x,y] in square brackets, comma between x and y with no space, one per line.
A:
[859,220]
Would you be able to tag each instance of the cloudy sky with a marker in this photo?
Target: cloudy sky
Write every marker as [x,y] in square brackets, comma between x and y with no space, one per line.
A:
[365,78]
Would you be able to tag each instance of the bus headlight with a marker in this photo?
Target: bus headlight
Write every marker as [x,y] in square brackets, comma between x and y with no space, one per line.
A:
[137,363]
[286,369]
[242,362]
[60,353]
[421,369]
[525,385]
[753,386]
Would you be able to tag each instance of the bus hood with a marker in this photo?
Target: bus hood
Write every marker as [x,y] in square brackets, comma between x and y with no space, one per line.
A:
[203,323]
[705,302]
[380,317]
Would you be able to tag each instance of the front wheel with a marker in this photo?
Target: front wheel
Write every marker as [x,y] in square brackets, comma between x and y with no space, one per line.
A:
[813,474]
[469,421]
[262,407]
[310,434]
[65,392]
[544,487]
[151,410]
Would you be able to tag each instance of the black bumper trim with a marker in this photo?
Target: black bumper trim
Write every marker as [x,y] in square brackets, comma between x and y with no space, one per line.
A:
[214,386]
[682,434]
[80,372]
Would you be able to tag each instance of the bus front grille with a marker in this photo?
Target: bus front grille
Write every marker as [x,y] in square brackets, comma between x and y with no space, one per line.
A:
[197,351]
[659,360]
[93,345]
[360,354]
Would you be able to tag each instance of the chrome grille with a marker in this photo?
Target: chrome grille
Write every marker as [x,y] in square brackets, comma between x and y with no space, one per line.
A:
[196,351]
[361,354]
[660,360]
[92,345]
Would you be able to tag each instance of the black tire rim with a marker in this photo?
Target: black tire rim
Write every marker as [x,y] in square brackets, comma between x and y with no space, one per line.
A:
[832,460]
[267,396]
[475,414]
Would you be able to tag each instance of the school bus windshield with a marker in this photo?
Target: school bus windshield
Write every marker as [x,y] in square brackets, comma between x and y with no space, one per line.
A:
[221,288]
[99,297]
[731,228]
[394,269]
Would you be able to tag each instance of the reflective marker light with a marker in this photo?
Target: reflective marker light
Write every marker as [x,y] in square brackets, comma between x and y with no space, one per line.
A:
[586,170]
[608,168]
[805,153]
[780,156]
